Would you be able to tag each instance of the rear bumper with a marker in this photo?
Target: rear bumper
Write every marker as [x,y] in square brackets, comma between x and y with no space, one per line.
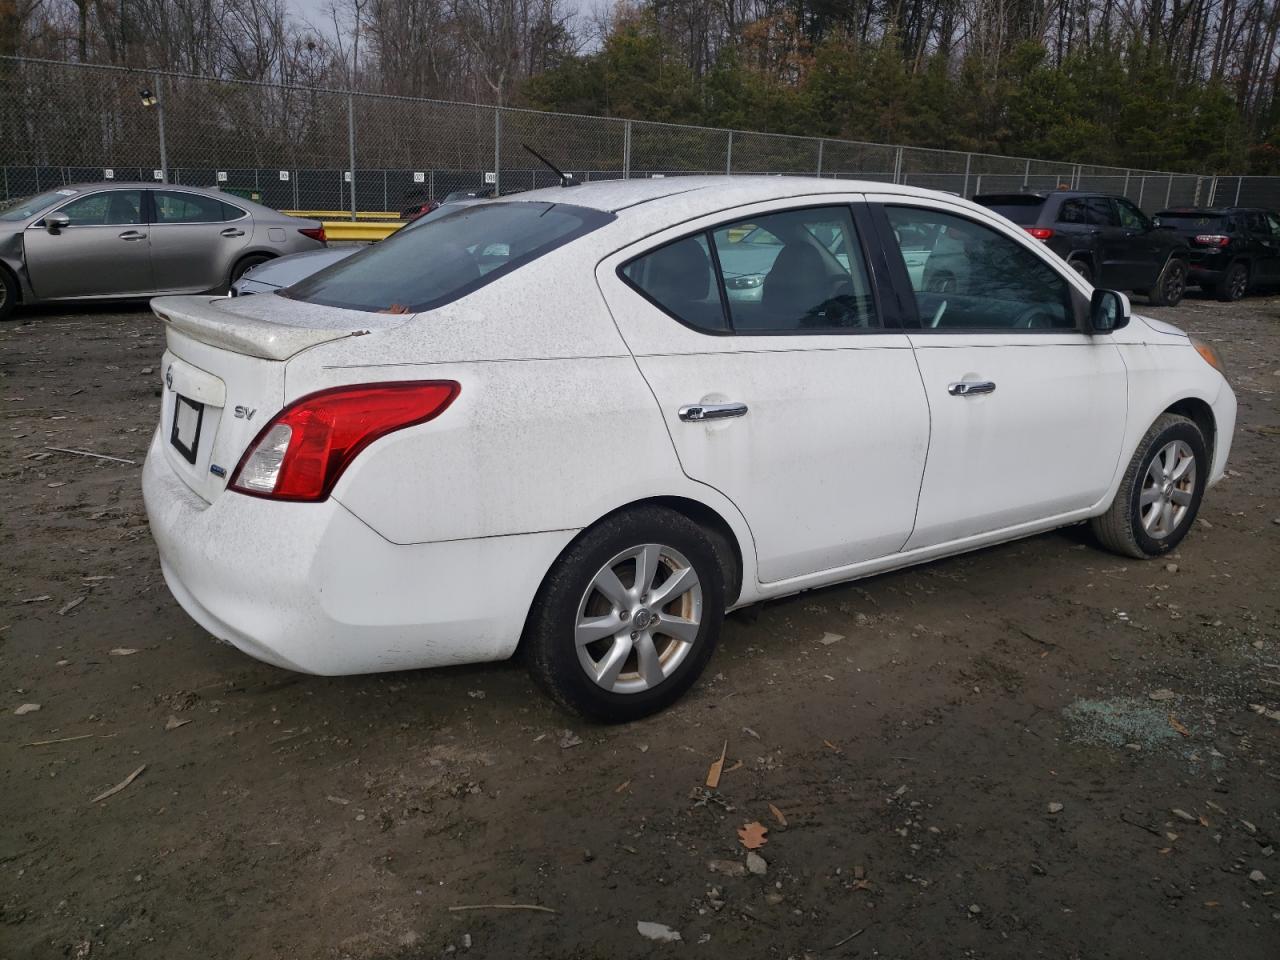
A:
[310,587]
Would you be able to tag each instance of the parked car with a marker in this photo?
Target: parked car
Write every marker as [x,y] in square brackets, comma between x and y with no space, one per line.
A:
[540,423]
[1231,248]
[416,205]
[271,275]
[1105,239]
[130,240]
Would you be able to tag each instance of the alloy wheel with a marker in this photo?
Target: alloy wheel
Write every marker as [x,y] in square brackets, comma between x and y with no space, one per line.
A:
[1238,282]
[1167,489]
[1175,284]
[639,618]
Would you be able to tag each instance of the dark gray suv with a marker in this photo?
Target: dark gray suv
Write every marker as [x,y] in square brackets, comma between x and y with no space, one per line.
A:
[1106,239]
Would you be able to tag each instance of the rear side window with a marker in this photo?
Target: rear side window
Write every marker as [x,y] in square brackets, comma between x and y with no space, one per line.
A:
[1192,222]
[176,207]
[1102,212]
[798,271]
[1073,211]
[438,262]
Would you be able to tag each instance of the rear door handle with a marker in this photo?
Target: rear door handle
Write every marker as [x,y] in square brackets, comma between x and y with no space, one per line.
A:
[697,412]
[133,235]
[232,232]
[969,388]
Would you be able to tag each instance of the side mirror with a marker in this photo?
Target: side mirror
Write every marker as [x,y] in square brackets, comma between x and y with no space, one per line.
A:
[55,222]
[1108,311]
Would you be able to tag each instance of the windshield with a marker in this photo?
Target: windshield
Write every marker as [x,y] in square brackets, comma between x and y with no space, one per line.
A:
[1024,211]
[446,257]
[24,207]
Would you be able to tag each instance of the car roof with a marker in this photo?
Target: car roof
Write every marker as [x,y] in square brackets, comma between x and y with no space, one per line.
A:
[710,193]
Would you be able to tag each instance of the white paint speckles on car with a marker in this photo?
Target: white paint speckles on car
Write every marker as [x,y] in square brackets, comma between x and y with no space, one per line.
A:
[596,417]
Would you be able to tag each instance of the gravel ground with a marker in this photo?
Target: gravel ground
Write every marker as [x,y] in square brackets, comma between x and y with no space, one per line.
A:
[1036,750]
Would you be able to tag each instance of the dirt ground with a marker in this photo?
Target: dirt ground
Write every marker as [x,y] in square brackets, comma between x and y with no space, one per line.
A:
[917,731]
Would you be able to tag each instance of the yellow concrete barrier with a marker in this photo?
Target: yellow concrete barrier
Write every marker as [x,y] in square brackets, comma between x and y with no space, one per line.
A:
[343,214]
[347,230]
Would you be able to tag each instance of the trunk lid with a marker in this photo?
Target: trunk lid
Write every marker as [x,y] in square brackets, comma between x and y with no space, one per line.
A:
[223,374]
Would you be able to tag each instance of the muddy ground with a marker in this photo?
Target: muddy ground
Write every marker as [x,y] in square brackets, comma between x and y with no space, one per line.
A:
[915,757]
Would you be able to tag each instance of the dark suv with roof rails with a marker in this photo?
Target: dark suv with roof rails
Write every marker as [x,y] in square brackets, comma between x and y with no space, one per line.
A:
[1106,239]
[1233,249]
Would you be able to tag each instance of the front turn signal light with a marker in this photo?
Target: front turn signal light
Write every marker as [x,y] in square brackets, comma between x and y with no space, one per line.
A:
[1210,355]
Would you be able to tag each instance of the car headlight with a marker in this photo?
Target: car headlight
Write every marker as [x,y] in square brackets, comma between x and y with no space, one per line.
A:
[1210,355]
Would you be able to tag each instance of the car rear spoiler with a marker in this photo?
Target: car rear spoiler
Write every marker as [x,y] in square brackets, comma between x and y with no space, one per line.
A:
[293,326]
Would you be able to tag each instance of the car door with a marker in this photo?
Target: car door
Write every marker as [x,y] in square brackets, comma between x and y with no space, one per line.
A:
[1146,248]
[103,252]
[195,240]
[1115,264]
[783,382]
[1264,231]
[1028,412]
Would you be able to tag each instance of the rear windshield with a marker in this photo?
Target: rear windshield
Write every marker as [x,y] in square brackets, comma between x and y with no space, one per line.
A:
[1023,211]
[1191,222]
[427,266]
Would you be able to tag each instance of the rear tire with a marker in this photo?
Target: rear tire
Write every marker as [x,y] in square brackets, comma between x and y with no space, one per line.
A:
[1234,283]
[1082,267]
[1170,285]
[1160,494]
[8,295]
[245,264]
[647,648]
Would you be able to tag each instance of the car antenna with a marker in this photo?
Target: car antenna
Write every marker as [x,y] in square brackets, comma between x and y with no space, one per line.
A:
[566,179]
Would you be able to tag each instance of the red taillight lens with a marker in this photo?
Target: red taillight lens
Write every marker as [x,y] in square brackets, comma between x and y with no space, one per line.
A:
[303,451]
[1040,233]
[315,233]
[1212,240]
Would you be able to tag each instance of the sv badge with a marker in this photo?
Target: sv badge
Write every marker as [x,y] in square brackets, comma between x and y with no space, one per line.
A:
[245,413]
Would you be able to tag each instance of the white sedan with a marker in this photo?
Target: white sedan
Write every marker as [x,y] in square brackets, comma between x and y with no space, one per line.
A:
[545,425]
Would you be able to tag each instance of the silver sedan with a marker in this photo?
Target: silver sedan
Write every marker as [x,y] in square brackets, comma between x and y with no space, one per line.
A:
[123,240]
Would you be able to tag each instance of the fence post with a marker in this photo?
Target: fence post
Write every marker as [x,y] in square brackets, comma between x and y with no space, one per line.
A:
[164,152]
[1125,191]
[897,165]
[1078,171]
[1026,175]
[1239,184]
[1213,190]
[820,145]
[351,149]
[626,151]
[1142,188]
[384,190]
[497,151]
[968,159]
[1168,193]
[728,155]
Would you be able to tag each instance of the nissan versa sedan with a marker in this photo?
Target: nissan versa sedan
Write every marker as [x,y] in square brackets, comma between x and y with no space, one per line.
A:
[544,425]
[130,240]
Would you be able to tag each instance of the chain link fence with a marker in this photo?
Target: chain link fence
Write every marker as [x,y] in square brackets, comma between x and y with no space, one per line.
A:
[301,148]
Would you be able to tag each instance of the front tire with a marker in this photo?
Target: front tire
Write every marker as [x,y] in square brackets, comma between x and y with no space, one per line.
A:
[1170,285]
[8,295]
[1160,494]
[629,616]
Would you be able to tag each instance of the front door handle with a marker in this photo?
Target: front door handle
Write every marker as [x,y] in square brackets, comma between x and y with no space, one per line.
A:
[697,412]
[133,235]
[969,388]
[232,232]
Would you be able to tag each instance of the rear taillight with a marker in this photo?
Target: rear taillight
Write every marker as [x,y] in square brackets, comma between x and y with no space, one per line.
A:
[1212,240]
[1040,233]
[303,451]
[315,233]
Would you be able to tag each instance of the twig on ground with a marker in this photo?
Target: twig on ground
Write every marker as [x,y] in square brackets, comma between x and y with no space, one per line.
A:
[119,786]
[45,743]
[503,906]
[90,453]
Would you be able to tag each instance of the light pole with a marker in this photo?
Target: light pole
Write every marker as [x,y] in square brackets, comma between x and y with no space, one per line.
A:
[150,100]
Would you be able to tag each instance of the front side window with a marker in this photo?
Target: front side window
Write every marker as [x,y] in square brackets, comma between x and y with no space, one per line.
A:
[438,262]
[1273,223]
[967,276]
[22,207]
[798,271]
[175,207]
[1257,223]
[1131,218]
[112,208]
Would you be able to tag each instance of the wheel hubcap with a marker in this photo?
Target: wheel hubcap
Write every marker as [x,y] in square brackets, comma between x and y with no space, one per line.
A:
[1173,288]
[1238,281]
[639,618]
[1167,490]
